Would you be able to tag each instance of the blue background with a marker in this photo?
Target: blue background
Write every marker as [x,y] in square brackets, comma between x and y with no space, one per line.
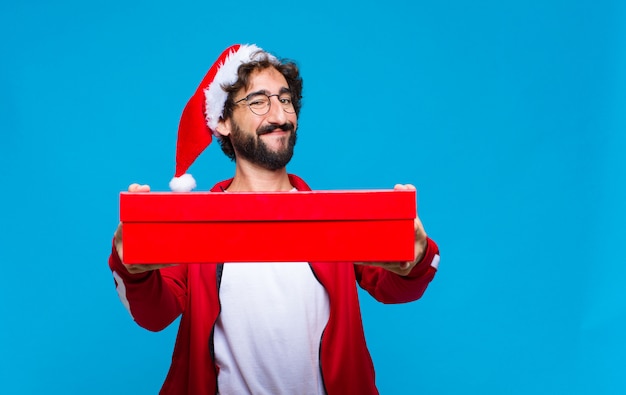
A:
[508,116]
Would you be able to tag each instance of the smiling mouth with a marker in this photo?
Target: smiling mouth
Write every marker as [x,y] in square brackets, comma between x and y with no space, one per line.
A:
[277,130]
[287,127]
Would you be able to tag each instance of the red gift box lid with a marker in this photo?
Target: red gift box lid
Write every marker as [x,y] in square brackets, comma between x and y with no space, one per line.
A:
[267,206]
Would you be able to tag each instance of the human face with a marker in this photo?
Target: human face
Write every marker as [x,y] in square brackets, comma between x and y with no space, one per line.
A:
[267,140]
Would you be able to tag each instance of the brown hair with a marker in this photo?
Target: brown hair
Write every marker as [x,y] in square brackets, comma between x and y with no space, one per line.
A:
[288,69]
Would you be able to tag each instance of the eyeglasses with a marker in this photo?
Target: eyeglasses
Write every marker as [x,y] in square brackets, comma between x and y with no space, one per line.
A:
[260,103]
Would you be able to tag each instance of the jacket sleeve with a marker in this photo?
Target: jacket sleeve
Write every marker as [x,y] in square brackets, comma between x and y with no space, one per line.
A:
[154,299]
[388,287]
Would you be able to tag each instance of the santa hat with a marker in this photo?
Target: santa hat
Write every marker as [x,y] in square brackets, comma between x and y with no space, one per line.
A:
[203,111]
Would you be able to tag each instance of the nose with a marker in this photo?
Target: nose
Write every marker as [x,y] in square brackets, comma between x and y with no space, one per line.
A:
[276,113]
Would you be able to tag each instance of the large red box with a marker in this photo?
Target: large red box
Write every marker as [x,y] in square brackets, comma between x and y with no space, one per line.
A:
[316,226]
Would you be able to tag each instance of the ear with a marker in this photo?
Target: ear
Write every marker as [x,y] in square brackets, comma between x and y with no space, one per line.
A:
[223,127]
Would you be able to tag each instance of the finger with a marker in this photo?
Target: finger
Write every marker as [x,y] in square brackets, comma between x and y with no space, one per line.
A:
[138,188]
[400,268]
[134,269]
[404,187]
[420,233]
[118,233]
[381,264]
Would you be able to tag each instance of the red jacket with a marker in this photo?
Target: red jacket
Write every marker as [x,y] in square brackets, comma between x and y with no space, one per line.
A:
[155,299]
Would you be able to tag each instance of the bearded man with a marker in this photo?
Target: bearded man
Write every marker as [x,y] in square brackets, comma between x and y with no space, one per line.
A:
[261,328]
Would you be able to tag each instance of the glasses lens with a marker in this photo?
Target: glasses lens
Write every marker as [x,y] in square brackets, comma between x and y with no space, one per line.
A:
[259,104]
[287,103]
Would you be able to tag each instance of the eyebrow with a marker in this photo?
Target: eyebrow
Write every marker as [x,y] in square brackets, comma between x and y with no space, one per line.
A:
[265,92]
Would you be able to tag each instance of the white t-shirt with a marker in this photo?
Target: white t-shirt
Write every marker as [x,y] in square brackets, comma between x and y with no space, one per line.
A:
[267,336]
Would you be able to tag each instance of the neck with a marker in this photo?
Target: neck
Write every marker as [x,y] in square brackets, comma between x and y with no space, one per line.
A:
[252,178]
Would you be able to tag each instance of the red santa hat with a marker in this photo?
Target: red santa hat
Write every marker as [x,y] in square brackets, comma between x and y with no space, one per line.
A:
[203,111]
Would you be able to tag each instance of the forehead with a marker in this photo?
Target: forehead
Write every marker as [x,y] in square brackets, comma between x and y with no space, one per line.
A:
[269,80]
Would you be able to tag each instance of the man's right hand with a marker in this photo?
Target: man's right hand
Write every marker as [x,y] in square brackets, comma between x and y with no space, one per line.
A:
[118,240]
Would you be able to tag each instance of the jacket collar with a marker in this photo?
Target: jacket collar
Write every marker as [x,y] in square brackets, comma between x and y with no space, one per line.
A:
[296,181]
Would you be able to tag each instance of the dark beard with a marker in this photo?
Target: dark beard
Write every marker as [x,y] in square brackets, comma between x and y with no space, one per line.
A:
[253,149]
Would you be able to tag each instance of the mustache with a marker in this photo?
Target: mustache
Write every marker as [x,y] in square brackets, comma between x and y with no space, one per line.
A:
[285,127]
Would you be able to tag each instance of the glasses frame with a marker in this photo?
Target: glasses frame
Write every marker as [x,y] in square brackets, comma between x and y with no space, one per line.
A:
[269,102]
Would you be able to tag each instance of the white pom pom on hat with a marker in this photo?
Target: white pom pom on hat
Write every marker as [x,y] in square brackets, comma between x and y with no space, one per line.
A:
[204,109]
[184,183]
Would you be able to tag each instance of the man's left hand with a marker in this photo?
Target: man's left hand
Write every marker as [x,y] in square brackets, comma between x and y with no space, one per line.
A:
[404,268]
